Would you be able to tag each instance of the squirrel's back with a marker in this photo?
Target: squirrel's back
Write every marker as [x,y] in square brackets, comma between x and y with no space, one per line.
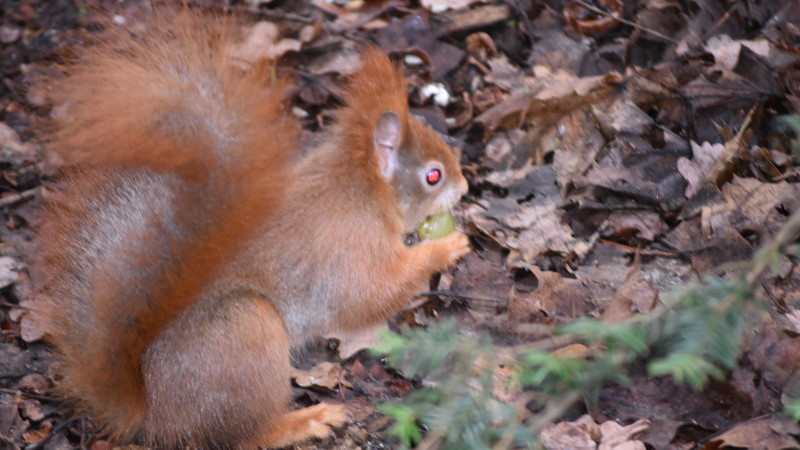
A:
[181,148]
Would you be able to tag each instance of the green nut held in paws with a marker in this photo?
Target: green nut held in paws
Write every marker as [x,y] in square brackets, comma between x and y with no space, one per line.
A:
[436,226]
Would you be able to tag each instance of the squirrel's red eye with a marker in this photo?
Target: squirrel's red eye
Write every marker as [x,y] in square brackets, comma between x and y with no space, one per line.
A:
[433,176]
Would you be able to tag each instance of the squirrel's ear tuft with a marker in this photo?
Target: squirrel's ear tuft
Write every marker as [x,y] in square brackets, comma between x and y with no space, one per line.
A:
[377,87]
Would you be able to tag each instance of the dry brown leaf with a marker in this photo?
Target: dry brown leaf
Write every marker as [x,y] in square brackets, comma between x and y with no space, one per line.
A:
[566,436]
[556,296]
[635,293]
[759,433]
[34,382]
[325,374]
[618,437]
[12,145]
[793,317]
[763,204]
[31,409]
[528,220]
[542,231]
[726,50]
[262,42]
[575,143]
[32,325]
[353,342]
[572,351]
[551,96]
[696,170]
[588,22]
[34,436]
[645,225]
[343,60]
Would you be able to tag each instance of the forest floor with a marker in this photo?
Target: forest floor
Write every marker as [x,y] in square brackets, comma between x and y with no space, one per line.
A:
[611,160]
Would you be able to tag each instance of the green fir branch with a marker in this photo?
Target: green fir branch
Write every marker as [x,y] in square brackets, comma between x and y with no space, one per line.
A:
[694,337]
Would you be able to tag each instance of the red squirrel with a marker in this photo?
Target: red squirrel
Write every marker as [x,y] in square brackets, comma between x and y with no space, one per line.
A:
[190,248]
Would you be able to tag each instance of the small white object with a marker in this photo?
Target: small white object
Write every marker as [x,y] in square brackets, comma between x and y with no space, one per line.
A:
[119,20]
[8,271]
[299,112]
[439,93]
[412,60]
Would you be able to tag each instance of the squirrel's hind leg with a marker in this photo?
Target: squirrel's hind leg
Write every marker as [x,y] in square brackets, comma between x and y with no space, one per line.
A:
[312,422]
[218,374]
[218,377]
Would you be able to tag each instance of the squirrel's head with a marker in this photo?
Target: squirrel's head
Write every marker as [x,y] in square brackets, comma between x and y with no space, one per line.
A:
[383,136]
[425,175]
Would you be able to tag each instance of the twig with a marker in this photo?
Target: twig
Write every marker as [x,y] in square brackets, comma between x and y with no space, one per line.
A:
[733,147]
[642,251]
[59,427]
[432,441]
[625,21]
[526,22]
[454,294]
[787,234]
[27,394]
[9,200]
[554,410]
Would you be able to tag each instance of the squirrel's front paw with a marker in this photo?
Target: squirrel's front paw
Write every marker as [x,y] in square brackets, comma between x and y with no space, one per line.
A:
[451,248]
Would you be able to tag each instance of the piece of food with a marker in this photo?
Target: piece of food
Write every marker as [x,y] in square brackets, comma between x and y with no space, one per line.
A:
[436,226]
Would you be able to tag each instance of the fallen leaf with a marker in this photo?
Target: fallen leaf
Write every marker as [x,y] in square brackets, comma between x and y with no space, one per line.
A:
[556,296]
[262,42]
[760,433]
[566,436]
[696,169]
[353,342]
[618,437]
[325,374]
[34,436]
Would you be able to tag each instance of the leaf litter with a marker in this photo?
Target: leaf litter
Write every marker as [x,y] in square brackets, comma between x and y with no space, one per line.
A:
[612,156]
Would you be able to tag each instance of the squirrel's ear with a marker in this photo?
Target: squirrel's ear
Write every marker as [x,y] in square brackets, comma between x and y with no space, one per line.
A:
[386,139]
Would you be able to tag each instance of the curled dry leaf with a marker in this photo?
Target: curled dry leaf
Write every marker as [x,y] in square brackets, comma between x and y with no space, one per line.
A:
[12,145]
[353,342]
[34,382]
[481,46]
[326,375]
[618,437]
[766,432]
[726,50]
[696,170]
[549,96]
[32,325]
[34,436]
[793,317]
[31,409]
[555,296]
[567,435]
[588,21]
[262,42]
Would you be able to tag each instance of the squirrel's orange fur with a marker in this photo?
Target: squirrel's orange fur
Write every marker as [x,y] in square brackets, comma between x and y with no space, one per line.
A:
[189,250]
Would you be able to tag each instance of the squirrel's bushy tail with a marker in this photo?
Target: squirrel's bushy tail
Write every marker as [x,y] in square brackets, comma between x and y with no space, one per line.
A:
[178,149]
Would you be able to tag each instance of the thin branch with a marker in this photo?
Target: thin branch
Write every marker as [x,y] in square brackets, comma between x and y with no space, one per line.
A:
[454,294]
[625,21]
[9,200]
[27,394]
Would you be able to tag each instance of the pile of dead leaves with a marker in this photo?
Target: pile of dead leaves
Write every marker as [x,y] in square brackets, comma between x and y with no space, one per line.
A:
[590,131]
